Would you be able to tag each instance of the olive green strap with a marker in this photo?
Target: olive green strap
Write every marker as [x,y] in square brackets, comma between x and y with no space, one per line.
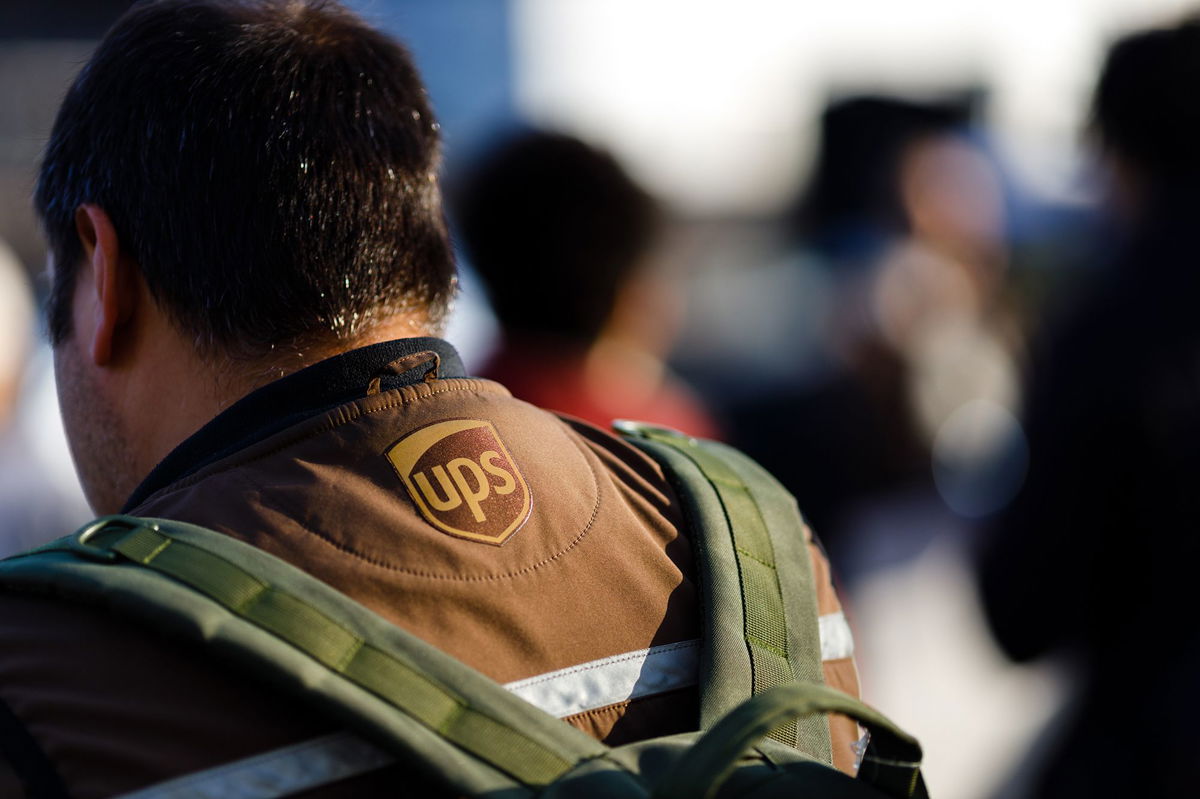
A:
[241,589]
[772,616]
[893,766]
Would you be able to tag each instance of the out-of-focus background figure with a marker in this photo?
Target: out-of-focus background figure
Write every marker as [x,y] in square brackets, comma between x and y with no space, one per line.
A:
[39,498]
[905,218]
[903,429]
[1096,557]
[564,240]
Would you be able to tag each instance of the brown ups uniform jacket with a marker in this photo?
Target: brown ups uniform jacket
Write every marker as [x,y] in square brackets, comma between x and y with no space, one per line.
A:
[516,541]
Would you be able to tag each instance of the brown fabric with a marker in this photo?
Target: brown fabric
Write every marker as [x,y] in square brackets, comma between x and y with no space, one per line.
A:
[843,732]
[602,533]
[115,709]
[598,569]
[626,722]
[842,673]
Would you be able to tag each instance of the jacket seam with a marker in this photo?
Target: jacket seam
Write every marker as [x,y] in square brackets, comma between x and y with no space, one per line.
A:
[623,705]
[599,711]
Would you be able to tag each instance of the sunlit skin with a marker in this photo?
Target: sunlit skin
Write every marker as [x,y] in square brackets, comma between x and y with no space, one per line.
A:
[132,386]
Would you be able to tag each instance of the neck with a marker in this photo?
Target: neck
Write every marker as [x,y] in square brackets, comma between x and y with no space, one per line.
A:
[174,391]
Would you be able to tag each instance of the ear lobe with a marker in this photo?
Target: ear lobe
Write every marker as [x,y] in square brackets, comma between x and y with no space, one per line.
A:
[113,281]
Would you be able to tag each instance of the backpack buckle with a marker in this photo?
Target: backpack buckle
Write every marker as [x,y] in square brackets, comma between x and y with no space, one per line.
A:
[79,543]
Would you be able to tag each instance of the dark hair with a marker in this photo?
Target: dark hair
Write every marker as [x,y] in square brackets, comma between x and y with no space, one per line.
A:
[554,228]
[1145,107]
[863,138]
[271,166]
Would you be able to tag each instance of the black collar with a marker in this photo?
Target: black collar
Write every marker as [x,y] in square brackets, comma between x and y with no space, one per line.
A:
[292,399]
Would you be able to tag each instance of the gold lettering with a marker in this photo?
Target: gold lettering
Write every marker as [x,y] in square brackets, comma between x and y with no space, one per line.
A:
[458,467]
[508,484]
[452,500]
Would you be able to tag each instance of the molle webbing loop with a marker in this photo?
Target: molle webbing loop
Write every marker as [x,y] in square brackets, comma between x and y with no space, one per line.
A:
[233,575]
[764,625]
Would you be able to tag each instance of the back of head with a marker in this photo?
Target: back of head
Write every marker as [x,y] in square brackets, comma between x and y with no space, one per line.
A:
[855,184]
[1145,108]
[554,227]
[270,165]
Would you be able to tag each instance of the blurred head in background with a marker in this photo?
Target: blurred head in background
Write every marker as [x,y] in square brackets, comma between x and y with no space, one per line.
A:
[16,331]
[1146,117]
[36,503]
[563,238]
[854,202]
[557,229]
[909,207]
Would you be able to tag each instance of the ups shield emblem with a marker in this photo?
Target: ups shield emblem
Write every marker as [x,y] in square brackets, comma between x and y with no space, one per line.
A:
[462,480]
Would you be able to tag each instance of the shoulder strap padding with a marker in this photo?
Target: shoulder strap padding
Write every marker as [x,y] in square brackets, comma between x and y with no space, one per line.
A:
[432,711]
[756,580]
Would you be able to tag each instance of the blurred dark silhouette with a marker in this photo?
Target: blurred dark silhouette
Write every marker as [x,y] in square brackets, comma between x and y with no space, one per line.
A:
[1097,556]
[906,209]
[852,206]
[563,237]
[58,19]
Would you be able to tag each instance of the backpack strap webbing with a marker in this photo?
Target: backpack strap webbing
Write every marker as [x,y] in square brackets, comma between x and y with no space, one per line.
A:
[758,592]
[894,766]
[304,636]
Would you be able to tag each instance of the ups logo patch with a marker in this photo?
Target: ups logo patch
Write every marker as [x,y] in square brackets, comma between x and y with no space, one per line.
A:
[462,480]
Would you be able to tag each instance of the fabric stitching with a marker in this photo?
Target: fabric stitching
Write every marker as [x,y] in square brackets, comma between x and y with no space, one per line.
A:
[598,710]
[624,703]
[742,551]
[761,644]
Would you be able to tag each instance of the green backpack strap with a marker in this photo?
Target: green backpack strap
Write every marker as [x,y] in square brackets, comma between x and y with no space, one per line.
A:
[309,639]
[757,587]
[893,768]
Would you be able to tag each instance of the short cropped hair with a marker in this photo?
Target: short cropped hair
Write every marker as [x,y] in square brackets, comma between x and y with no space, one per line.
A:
[1145,108]
[554,227]
[271,166]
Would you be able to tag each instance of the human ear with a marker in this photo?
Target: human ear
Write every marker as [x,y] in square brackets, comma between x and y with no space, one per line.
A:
[113,282]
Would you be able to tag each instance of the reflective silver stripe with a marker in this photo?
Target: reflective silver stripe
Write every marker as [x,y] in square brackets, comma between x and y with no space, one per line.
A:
[281,772]
[837,642]
[561,693]
[647,672]
[613,679]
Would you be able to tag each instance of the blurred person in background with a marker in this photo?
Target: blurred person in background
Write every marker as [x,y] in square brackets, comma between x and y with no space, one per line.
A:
[564,240]
[903,440]
[906,210]
[1096,557]
[34,507]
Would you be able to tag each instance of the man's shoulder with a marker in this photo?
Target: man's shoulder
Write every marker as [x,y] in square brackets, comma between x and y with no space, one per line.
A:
[384,436]
[91,688]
